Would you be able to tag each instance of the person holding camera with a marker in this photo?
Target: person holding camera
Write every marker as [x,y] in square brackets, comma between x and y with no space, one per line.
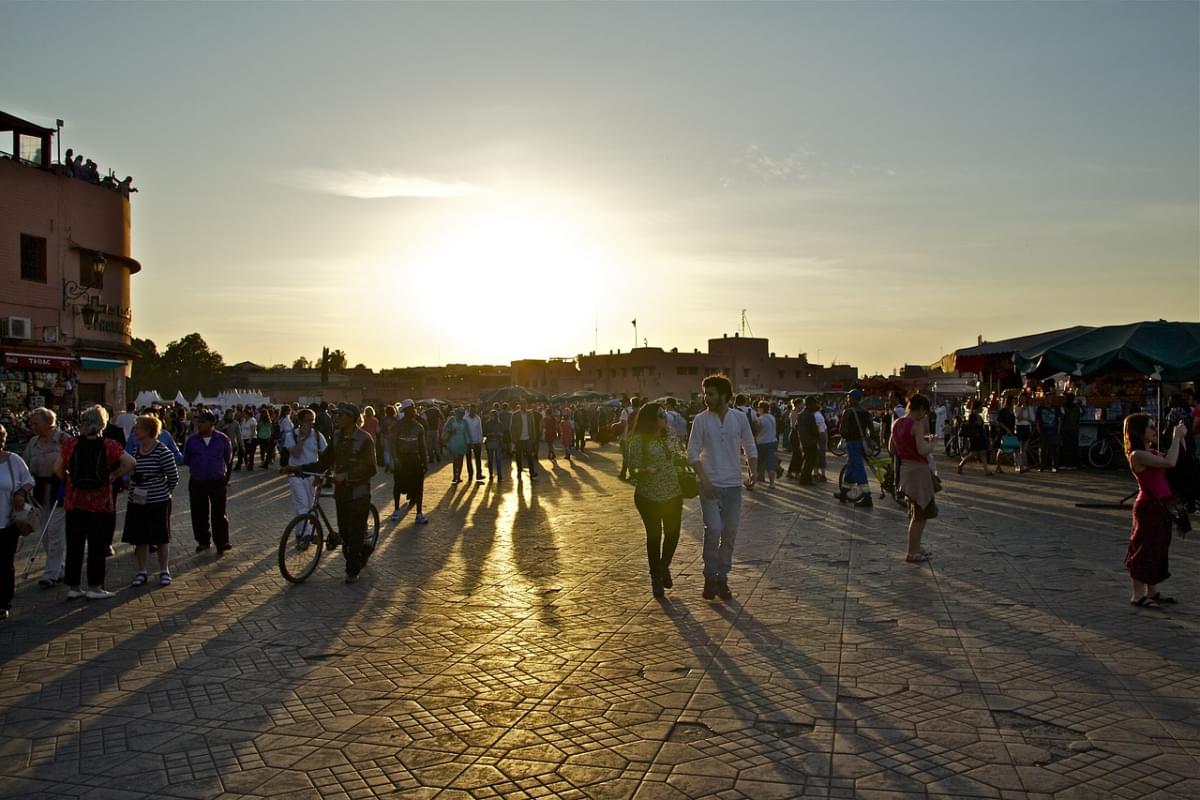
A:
[1154,511]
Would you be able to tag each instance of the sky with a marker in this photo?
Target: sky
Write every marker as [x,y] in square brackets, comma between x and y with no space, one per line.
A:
[420,184]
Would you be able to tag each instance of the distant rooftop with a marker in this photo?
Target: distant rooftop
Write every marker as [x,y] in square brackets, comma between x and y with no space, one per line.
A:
[30,146]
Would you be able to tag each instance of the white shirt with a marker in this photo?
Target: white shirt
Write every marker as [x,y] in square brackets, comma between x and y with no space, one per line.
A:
[125,421]
[474,429]
[942,414]
[766,433]
[19,471]
[718,444]
[313,445]
[822,425]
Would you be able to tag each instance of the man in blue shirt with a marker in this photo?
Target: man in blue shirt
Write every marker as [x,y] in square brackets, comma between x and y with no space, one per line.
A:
[208,455]
[1047,429]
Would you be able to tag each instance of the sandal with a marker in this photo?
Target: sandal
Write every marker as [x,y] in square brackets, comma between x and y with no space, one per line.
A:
[1146,602]
[919,557]
[164,579]
[139,579]
[1167,601]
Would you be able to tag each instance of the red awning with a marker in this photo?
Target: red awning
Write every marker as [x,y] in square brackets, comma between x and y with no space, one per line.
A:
[45,361]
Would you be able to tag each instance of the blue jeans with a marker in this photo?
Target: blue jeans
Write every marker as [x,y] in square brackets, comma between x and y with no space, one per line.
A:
[767,460]
[721,517]
[856,472]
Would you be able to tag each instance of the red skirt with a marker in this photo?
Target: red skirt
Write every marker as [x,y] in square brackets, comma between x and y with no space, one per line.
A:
[1149,542]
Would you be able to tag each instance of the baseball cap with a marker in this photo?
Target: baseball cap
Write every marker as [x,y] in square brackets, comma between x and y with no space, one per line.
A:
[347,408]
[855,394]
[407,404]
[206,416]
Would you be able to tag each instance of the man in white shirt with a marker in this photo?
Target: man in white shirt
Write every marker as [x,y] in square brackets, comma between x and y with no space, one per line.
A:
[474,443]
[720,434]
[125,420]
[522,428]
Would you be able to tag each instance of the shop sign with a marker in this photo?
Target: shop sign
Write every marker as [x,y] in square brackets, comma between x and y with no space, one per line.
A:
[116,320]
[37,361]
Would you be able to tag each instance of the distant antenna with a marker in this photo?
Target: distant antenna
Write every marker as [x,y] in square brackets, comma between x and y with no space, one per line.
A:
[746,324]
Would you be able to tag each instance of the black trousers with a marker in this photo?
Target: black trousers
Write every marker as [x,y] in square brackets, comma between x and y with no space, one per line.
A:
[352,525]
[208,498]
[797,459]
[811,452]
[93,529]
[475,452]
[248,448]
[10,540]
[525,450]
[662,521]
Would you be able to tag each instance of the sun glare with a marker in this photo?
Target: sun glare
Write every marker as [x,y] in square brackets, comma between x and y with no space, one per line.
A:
[504,286]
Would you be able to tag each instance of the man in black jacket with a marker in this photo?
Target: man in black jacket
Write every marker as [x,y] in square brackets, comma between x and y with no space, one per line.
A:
[353,462]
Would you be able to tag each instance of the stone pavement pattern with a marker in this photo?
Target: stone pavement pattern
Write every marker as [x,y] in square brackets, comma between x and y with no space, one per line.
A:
[511,648]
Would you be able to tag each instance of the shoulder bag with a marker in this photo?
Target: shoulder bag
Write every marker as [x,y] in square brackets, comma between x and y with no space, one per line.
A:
[29,518]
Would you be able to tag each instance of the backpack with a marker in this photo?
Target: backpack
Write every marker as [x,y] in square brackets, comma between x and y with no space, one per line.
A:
[89,464]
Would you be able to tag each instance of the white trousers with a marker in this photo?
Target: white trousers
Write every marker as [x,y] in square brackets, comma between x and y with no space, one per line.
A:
[56,545]
[302,497]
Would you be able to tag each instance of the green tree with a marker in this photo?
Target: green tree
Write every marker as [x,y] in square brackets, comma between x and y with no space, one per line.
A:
[189,365]
[337,360]
[147,366]
[302,363]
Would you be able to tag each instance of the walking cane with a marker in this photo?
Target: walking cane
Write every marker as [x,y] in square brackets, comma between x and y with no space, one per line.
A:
[42,538]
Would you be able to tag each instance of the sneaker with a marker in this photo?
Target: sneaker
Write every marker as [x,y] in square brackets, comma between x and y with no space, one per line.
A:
[74,593]
[97,594]
[864,502]
[396,515]
[421,519]
[224,548]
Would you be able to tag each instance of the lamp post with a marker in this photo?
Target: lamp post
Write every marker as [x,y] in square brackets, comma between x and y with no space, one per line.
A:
[72,290]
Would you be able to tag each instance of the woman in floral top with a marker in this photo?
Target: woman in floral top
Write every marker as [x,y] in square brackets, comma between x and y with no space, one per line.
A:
[658,497]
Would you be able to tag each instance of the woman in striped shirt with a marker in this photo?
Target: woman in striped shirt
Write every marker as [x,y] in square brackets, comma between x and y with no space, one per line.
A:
[148,514]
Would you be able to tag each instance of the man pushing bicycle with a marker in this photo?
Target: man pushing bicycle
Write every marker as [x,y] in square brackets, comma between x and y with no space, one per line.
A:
[352,459]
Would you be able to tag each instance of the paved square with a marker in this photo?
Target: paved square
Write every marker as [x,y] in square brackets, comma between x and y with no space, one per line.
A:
[511,648]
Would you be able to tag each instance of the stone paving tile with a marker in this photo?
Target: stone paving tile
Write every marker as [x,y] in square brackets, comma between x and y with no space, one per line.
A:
[511,649]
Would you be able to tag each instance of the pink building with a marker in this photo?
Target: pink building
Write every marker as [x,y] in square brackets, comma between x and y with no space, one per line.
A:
[65,270]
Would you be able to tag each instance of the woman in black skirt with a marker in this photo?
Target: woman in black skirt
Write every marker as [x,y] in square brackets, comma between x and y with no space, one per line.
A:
[148,514]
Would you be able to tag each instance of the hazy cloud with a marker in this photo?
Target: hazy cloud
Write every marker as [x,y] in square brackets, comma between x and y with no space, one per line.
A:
[378,185]
[756,165]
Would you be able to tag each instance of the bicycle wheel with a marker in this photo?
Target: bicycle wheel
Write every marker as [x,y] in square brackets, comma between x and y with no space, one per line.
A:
[1102,453]
[371,537]
[301,547]
[850,491]
[837,445]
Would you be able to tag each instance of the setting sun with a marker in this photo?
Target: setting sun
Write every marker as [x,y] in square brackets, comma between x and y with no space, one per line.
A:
[526,272]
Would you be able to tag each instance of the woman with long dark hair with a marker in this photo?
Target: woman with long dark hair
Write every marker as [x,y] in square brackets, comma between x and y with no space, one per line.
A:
[1150,538]
[912,443]
[658,498]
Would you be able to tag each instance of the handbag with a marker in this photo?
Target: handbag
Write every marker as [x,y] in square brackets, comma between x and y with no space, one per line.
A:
[29,518]
[689,484]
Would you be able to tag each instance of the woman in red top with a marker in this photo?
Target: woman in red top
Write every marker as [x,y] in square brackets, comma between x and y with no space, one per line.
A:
[90,505]
[1150,539]
[912,443]
[550,431]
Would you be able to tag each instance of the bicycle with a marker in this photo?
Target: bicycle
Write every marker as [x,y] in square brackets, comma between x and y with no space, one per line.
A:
[880,464]
[1105,450]
[304,538]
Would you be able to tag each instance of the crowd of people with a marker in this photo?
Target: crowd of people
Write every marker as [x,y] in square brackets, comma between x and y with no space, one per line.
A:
[73,477]
[75,166]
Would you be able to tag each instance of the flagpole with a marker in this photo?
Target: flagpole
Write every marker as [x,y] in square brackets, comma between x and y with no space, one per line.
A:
[635,334]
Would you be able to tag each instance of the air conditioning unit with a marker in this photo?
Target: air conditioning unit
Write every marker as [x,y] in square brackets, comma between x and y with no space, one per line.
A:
[16,327]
